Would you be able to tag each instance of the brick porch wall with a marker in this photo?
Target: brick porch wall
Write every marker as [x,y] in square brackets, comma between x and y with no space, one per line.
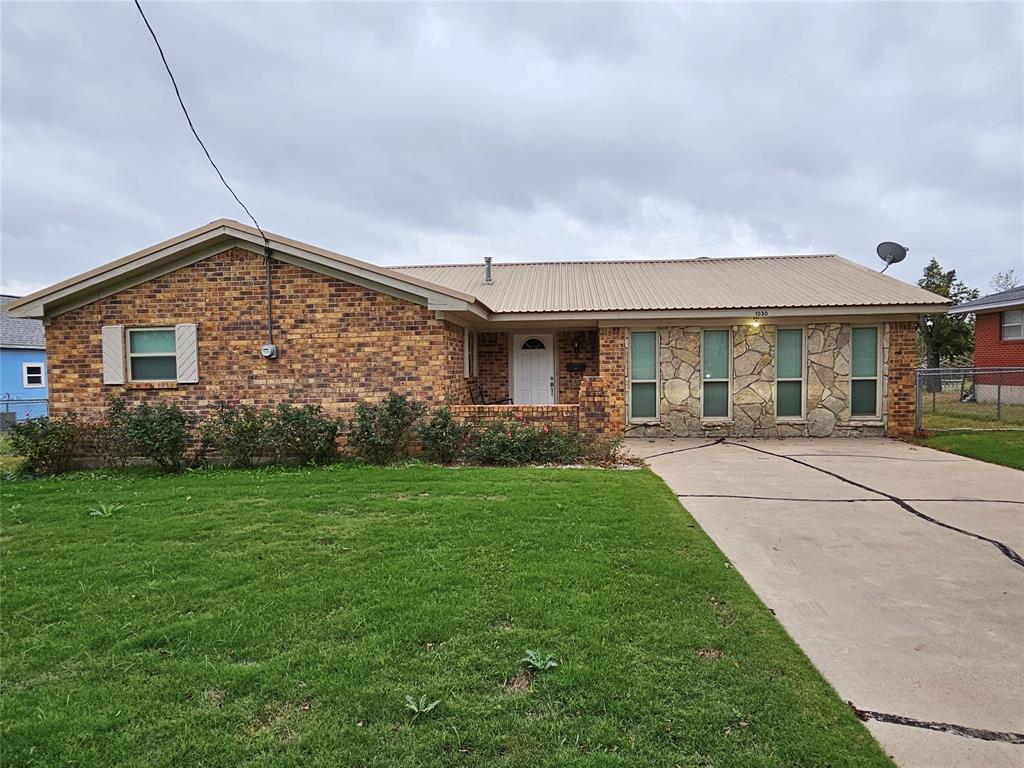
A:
[492,365]
[603,395]
[338,342]
[563,416]
[901,385]
[574,347]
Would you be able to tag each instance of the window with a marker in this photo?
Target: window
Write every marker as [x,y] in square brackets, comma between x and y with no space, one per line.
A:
[470,351]
[864,372]
[532,343]
[1013,325]
[151,355]
[33,375]
[789,373]
[643,375]
[716,374]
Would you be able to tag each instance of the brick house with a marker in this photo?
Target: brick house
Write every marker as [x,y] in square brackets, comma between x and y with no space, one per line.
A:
[998,343]
[763,346]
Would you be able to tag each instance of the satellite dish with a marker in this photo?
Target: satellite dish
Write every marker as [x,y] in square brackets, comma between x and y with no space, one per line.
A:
[891,253]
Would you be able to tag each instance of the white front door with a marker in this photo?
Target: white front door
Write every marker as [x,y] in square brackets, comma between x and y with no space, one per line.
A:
[533,369]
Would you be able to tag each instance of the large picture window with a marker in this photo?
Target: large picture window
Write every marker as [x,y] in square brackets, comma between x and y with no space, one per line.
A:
[151,355]
[1013,325]
[643,375]
[789,373]
[864,372]
[716,374]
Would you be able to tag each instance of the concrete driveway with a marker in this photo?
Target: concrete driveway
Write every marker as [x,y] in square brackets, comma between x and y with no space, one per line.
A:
[905,588]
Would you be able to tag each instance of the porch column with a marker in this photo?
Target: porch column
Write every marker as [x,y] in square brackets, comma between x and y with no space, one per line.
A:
[603,396]
[901,389]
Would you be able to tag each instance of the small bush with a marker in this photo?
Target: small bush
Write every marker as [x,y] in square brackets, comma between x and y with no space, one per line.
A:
[47,443]
[304,432]
[511,443]
[379,433]
[107,438]
[243,434]
[160,433]
[443,439]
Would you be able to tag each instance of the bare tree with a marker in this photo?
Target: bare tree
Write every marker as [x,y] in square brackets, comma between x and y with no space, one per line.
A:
[1004,281]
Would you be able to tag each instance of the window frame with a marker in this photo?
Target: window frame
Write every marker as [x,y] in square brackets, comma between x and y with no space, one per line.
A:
[470,353]
[656,380]
[1003,324]
[803,373]
[879,363]
[728,377]
[128,354]
[25,374]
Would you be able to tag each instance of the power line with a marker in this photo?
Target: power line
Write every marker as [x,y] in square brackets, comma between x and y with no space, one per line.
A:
[195,133]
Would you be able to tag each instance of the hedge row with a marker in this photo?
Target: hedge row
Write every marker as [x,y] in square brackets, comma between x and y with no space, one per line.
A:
[246,435]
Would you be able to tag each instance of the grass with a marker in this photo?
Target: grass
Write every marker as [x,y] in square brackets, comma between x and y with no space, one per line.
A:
[944,410]
[8,461]
[1006,448]
[280,618]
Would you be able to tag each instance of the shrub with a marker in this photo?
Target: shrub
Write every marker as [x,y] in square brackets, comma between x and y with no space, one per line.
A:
[243,434]
[160,433]
[379,432]
[108,438]
[605,451]
[47,443]
[443,439]
[511,443]
[306,433]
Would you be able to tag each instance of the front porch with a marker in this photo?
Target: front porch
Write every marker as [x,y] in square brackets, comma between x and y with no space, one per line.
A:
[570,378]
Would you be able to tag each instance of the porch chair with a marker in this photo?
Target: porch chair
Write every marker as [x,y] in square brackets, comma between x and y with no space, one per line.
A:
[476,394]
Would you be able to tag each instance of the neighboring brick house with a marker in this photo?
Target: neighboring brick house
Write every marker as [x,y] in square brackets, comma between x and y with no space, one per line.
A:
[998,343]
[762,346]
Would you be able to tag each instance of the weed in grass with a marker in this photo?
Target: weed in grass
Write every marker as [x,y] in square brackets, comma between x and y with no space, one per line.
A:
[535,662]
[104,510]
[420,707]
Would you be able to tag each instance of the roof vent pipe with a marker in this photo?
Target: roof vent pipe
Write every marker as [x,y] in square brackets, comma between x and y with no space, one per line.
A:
[487,270]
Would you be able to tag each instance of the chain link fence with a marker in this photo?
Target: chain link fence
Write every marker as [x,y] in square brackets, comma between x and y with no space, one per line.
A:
[961,399]
[14,409]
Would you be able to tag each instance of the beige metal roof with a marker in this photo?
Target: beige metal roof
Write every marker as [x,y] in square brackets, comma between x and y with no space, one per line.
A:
[735,283]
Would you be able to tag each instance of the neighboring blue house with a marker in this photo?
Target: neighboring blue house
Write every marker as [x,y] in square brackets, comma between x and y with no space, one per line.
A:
[23,373]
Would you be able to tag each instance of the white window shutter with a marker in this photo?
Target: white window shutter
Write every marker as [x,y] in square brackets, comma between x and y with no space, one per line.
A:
[113,354]
[187,351]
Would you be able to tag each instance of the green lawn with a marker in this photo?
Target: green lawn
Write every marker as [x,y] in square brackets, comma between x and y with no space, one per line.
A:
[1006,448]
[945,410]
[279,618]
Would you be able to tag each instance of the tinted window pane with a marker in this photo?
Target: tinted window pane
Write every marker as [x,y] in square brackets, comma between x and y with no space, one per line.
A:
[645,355]
[151,341]
[790,398]
[790,355]
[716,399]
[716,354]
[862,402]
[644,400]
[154,369]
[865,352]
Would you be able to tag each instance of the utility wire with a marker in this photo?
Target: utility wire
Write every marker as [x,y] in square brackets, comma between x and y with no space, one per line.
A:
[195,133]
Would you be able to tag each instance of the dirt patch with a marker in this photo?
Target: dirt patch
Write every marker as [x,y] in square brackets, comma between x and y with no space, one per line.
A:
[215,697]
[504,624]
[520,682]
[278,718]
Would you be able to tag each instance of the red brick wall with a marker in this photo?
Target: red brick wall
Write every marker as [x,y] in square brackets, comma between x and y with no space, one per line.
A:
[992,351]
[456,385]
[338,342]
[603,396]
[587,353]
[901,379]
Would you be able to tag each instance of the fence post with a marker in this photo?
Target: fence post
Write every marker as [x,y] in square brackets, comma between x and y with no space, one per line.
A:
[917,400]
[999,401]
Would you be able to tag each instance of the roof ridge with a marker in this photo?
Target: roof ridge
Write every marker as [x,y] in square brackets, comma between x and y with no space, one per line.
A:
[701,259]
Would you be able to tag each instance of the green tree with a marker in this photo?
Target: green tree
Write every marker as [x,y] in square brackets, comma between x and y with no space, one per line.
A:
[946,337]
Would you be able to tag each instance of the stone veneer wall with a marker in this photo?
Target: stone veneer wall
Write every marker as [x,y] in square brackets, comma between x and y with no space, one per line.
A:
[827,384]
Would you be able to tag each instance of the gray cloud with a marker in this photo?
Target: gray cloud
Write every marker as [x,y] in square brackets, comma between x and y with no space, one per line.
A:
[418,133]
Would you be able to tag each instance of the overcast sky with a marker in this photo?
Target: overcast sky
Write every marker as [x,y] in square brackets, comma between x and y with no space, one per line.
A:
[444,133]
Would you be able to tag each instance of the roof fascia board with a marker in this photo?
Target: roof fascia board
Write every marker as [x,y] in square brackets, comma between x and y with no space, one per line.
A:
[984,307]
[696,314]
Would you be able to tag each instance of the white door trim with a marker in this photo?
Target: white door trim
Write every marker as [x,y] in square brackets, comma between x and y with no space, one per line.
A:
[549,345]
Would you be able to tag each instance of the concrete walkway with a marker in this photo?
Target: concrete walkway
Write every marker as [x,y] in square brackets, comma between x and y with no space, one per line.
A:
[912,611]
